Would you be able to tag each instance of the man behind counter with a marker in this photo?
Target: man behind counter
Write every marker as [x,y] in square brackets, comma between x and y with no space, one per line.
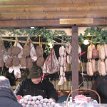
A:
[36,85]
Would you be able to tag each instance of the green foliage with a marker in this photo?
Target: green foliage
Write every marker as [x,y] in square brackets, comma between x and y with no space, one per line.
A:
[48,34]
[95,35]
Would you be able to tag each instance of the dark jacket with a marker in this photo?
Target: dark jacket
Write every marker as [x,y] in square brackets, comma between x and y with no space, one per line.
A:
[7,98]
[100,85]
[44,88]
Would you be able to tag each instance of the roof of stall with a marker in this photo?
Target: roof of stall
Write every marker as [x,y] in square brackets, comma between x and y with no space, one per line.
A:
[26,13]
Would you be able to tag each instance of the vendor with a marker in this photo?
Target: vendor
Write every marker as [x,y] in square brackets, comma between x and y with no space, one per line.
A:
[36,85]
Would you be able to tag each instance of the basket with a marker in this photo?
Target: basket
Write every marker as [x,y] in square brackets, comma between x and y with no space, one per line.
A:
[82,90]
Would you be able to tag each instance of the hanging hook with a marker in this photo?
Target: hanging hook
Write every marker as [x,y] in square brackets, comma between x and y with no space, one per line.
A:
[28,39]
[1,38]
[16,39]
[40,44]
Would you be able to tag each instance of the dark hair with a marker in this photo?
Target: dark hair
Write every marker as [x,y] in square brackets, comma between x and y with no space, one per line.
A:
[35,72]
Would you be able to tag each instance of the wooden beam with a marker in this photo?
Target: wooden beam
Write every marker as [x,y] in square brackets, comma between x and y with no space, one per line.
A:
[84,21]
[101,22]
[53,7]
[22,41]
[77,21]
[89,1]
[32,2]
[75,63]
[48,23]
[29,23]
[53,15]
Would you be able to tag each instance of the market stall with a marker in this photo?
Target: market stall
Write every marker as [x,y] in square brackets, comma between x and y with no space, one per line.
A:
[51,60]
[48,14]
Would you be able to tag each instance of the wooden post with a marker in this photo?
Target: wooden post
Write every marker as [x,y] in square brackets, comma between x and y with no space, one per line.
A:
[75,63]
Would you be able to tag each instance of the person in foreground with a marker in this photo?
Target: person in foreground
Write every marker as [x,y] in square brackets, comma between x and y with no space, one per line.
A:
[7,97]
[100,86]
[35,85]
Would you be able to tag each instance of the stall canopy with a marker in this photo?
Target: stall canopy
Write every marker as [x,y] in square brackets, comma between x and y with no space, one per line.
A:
[25,13]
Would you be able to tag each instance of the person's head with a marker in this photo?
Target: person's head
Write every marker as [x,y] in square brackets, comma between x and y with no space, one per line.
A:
[35,74]
[4,82]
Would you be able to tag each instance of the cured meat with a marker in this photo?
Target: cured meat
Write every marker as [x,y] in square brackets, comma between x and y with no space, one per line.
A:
[17,72]
[16,61]
[101,52]
[11,69]
[15,49]
[33,53]
[98,66]
[65,61]
[93,65]
[29,63]
[69,58]
[79,49]
[89,68]
[95,53]
[51,64]
[26,50]
[40,61]
[9,51]
[62,51]
[68,48]
[105,49]
[106,64]
[2,48]
[2,51]
[23,62]
[21,50]
[39,51]
[1,62]
[101,68]
[89,51]
[62,78]
[62,63]
[9,62]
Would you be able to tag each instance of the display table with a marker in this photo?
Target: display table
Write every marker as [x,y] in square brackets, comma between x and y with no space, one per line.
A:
[74,105]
